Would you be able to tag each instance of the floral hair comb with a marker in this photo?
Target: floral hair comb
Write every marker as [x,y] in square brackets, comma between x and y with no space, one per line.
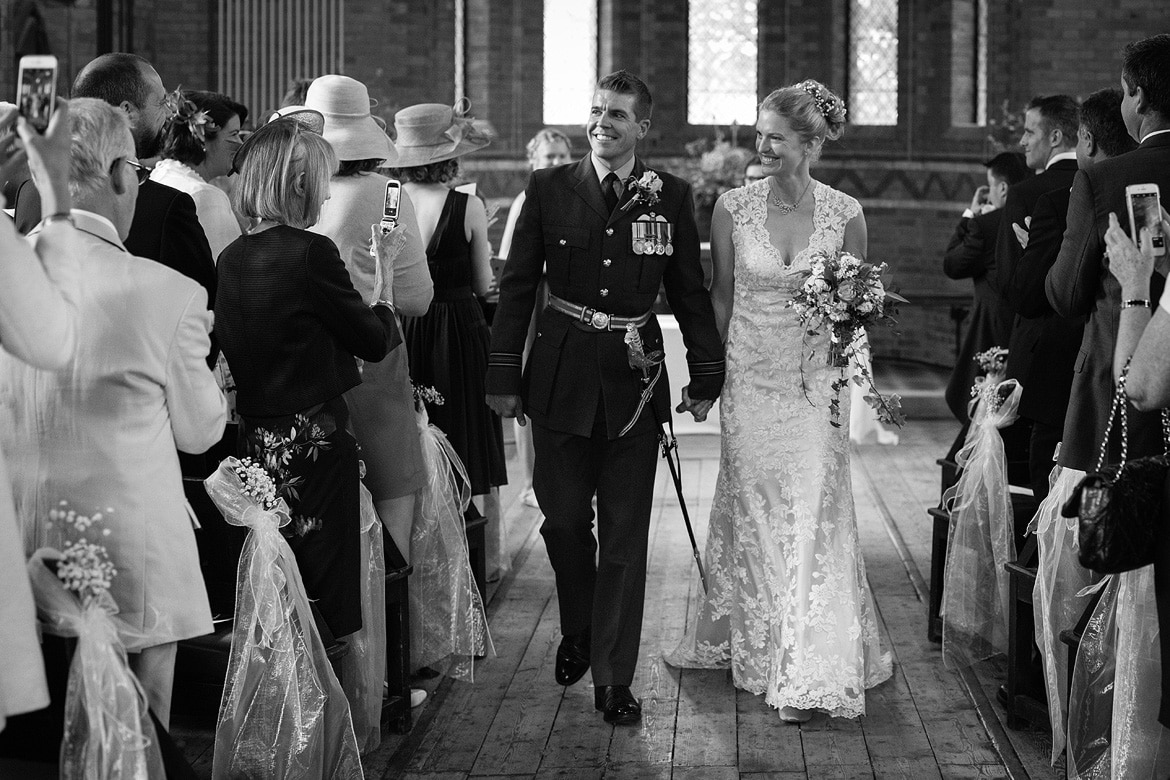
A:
[183,110]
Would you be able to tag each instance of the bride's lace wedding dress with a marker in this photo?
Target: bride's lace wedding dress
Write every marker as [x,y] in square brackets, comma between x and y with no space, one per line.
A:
[789,609]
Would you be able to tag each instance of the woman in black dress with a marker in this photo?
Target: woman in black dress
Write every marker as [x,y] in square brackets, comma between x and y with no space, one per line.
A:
[448,346]
[290,324]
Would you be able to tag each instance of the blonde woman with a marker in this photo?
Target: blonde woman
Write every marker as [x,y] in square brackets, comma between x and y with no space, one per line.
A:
[291,323]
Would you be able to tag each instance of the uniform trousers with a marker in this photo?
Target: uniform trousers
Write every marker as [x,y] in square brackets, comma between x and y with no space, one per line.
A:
[600,595]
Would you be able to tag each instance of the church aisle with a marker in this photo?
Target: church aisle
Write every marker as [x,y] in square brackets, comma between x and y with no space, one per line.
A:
[516,722]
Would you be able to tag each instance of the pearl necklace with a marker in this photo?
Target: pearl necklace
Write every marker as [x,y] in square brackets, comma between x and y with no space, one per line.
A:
[782,206]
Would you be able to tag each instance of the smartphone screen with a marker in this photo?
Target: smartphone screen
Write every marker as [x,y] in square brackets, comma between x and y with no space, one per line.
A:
[37,88]
[393,195]
[1147,213]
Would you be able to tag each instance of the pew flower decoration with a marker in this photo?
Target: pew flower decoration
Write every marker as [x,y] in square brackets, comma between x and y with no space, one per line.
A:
[256,483]
[84,567]
[645,190]
[425,394]
[845,295]
[991,389]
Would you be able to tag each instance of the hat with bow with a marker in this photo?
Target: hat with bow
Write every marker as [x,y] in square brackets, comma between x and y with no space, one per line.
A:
[432,132]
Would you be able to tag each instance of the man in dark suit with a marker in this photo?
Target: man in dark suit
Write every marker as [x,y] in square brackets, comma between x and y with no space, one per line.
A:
[971,255]
[166,227]
[1079,284]
[1055,340]
[607,246]
[1049,142]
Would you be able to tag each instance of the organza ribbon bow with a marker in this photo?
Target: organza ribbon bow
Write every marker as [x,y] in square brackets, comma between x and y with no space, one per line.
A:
[464,127]
[108,730]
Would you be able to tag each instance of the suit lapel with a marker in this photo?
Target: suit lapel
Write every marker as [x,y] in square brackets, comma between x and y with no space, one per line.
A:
[588,188]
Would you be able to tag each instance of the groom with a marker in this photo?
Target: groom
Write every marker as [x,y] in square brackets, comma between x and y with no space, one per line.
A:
[606,246]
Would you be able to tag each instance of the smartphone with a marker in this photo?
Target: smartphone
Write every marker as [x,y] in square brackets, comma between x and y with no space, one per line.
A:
[36,90]
[1145,210]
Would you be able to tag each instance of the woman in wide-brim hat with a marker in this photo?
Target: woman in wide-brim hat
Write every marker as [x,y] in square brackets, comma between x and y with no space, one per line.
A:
[448,345]
[382,407]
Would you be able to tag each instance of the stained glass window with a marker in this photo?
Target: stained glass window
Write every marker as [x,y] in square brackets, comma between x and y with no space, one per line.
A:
[721,73]
[969,62]
[873,62]
[570,60]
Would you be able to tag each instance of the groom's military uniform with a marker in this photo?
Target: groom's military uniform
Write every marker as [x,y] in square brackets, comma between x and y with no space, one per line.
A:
[604,270]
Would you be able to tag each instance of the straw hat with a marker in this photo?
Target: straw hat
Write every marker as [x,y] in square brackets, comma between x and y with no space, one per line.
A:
[349,127]
[432,132]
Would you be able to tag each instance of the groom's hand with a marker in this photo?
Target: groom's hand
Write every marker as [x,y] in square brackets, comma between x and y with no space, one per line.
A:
[698,409]
[507,406]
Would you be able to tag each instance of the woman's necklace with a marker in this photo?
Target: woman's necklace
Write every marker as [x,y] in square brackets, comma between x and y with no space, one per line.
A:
[781,206]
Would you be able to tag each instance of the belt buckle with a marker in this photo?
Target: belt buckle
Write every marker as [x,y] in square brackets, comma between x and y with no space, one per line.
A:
[599,320]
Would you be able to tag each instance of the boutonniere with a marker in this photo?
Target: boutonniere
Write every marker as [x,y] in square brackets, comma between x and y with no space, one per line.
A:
[645,190]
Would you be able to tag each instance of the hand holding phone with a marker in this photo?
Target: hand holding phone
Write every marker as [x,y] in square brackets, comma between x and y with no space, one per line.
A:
[36,90]
[1143,201]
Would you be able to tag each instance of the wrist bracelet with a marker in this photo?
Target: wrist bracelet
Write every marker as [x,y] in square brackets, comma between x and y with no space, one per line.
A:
[1136,303]
[61,216]
[383,302]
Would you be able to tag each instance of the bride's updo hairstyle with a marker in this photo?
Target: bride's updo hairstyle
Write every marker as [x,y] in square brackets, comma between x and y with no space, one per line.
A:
[811,108]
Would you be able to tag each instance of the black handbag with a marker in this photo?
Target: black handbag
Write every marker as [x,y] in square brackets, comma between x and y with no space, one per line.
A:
[1119,507]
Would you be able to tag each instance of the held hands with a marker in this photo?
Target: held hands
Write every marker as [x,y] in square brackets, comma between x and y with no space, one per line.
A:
[698,409]
[507,406]
[1132,266]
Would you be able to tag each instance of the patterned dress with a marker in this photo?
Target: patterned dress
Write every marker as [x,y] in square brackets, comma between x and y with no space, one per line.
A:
[789,609]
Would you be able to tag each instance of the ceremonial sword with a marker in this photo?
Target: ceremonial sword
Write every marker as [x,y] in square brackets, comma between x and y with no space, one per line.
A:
[641,361]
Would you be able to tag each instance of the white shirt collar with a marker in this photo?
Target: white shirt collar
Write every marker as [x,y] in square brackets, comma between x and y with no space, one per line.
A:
[1148,136]
[1060,156]
[602,170]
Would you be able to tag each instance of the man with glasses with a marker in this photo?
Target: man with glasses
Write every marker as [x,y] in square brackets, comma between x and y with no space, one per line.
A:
[103,431]
[166,227]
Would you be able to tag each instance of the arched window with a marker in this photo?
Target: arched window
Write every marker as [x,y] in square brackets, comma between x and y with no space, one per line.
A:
[873,62]
[570,60]
[722,69]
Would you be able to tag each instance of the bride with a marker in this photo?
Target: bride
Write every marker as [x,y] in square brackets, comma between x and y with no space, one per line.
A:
[789,609]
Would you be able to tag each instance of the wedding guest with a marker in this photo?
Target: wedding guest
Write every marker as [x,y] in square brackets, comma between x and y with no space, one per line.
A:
[291,325]
[1078,286]
[199,140]
[546,149]
[448,346]
[38,324]
[166,226]
[382,406]
[971,255]
[102,433]
[1055,341]
[1049,143]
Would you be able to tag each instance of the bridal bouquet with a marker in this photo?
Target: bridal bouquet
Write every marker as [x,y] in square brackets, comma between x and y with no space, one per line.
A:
[108,731]
[845,295]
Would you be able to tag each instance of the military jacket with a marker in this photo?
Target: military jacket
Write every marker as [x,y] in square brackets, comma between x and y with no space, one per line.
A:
[614,264]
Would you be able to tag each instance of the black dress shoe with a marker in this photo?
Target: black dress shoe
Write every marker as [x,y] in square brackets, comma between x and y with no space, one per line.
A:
[617,704]
[572,660]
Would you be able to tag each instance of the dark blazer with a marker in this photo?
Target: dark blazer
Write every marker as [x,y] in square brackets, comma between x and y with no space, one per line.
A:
[971,255]
[290,322]
[1080,284]
[165,228]
[1044,345]
[565,228]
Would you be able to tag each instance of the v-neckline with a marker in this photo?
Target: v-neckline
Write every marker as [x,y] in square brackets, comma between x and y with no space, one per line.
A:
[767,236]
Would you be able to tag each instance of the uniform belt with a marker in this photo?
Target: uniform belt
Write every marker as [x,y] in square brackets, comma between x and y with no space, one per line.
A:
[594,318]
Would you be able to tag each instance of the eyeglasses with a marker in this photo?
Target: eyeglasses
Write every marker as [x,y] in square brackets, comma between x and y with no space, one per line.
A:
[140,170]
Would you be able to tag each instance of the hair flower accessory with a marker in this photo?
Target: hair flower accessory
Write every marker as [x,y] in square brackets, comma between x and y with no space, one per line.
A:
[182,110]
[826,102]
[645,189]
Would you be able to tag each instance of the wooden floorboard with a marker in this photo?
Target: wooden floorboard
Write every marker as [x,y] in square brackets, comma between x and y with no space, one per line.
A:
[515,722]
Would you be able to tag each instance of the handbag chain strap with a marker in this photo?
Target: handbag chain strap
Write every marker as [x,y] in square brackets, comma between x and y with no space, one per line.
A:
[1121,402]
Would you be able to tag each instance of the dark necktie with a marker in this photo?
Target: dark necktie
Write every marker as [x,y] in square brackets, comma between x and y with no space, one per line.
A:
[609,189]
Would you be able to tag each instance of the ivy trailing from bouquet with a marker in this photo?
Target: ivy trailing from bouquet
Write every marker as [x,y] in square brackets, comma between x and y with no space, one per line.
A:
[843,296]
